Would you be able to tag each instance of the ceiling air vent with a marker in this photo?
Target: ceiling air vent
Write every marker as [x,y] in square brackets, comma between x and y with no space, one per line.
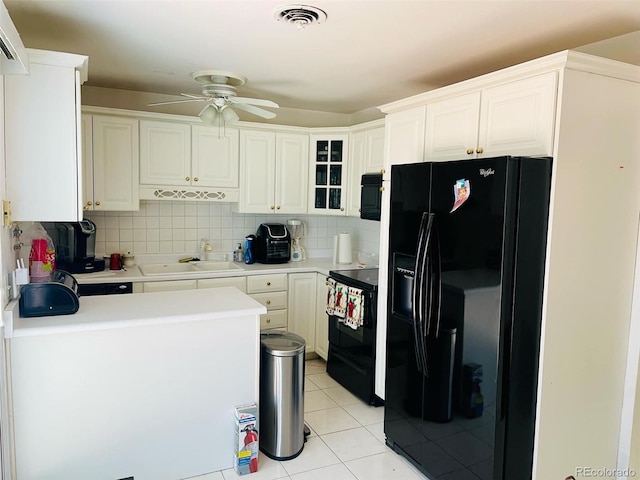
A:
[300,15]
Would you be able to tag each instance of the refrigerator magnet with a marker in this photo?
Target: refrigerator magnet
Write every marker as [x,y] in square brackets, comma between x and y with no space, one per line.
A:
[461,193]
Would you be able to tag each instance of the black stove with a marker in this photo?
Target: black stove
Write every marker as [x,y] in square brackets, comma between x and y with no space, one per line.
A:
[352,352]
[363,278]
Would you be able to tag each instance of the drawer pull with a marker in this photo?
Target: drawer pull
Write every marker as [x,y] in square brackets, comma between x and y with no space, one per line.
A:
[268,302]
[268,320]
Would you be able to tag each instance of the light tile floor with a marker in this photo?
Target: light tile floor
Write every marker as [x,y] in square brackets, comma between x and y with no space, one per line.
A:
[346,441]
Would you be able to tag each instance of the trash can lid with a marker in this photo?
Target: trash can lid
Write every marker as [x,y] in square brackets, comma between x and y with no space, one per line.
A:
[282,344]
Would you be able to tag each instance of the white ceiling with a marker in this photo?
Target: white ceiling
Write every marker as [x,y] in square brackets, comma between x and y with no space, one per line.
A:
[367,52]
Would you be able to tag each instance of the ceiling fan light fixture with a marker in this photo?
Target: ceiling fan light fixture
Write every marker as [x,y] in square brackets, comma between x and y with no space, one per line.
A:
[299,15]
[209,115]
[228,115]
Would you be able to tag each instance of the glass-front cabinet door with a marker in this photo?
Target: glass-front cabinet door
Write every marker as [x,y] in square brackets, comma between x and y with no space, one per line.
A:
[328,176]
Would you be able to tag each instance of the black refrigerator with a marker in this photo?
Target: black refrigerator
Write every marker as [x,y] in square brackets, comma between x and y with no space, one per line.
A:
[467,242]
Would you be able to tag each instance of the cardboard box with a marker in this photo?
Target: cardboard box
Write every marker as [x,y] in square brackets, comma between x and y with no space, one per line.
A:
[246,439]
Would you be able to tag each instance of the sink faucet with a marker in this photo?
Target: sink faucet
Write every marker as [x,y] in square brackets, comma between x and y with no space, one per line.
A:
[206,248]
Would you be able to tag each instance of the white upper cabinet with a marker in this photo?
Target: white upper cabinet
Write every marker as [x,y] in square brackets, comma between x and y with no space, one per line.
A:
[452,127]
[184,155]
[374,156]
[111,164]
[257,171]
[214,156]
[273,172]
[404,138]
[328,174]
[42,138]
[165,153]
[366,155]
[292,166]
[515,118]
[518,118]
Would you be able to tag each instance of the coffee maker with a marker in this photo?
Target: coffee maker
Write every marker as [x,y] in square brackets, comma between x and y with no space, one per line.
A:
[75,244]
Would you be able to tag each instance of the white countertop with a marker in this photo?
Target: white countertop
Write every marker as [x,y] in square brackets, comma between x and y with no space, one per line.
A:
[133,274]
[116,311]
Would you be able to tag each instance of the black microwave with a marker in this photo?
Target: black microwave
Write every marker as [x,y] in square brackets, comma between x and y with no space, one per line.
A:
[370,196]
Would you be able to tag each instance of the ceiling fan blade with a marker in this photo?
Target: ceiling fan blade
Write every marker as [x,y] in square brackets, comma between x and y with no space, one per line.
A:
[189,95]
[178,101]
[255,110]
[254,101]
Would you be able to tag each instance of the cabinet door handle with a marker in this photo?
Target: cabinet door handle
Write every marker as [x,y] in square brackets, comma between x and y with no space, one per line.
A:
[195,179]
[342,209]
[479,150]
[469,151]
[88,203]
[278,207]
[268,302]
[383,171]
[268,320]
[187,178]
[382,189]
[98,202]
[268,284]
[273,207]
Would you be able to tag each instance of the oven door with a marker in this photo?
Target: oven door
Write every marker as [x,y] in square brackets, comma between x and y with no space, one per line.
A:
[356,344]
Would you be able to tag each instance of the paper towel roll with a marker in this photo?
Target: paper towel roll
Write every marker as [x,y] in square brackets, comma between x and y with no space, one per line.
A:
[344,248]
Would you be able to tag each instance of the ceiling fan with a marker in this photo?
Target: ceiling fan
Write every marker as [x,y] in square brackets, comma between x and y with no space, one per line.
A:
[219,90]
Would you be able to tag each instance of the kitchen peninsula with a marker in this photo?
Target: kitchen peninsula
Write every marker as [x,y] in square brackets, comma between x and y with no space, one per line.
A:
[140,385]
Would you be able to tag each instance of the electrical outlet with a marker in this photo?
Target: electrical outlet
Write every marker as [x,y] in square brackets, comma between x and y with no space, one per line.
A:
[6,213]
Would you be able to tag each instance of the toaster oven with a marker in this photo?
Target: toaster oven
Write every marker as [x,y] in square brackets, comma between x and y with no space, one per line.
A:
[273,243]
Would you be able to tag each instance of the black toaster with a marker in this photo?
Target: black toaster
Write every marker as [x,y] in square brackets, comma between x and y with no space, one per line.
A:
[272,244]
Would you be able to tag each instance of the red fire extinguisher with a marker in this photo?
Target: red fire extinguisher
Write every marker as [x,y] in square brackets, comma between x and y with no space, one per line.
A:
[251,443]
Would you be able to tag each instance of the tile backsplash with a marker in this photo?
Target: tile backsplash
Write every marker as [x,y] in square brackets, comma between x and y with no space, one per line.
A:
[174,227]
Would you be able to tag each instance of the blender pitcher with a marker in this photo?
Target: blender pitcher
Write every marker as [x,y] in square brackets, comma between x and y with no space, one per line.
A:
[296,229]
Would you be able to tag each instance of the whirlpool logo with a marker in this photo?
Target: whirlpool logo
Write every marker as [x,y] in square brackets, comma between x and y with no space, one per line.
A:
[485,172]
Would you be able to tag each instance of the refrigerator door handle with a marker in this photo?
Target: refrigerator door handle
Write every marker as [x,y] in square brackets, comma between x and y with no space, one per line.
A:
[418,295]
[435,281]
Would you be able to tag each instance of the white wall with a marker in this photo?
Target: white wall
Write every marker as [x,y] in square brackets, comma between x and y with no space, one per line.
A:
[590,275]
[177,227]
[7,257]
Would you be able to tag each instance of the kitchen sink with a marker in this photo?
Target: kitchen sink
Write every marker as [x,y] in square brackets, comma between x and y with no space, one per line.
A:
[215,266]
[167,268]
[164,268]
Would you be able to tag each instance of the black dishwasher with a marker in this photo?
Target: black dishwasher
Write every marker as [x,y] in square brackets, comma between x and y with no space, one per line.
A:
[89,289]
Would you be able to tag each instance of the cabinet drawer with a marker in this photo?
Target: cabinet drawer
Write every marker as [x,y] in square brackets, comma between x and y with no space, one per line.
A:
[272,300]
[169,285]
[238,282]
[273,319]
[266,283]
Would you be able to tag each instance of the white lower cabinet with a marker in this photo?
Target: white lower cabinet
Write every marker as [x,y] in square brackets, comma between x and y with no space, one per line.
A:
[169,285]
[271,291]
[302,307]
[322,320]
[239,282]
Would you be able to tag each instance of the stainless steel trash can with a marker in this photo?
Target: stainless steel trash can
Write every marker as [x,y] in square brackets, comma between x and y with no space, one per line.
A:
[281,394]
